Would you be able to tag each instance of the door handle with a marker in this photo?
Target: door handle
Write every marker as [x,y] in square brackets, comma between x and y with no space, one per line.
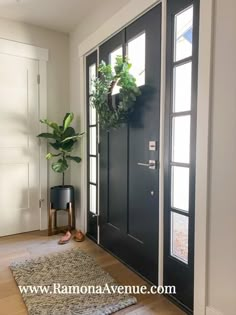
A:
[152,164]
[143,164]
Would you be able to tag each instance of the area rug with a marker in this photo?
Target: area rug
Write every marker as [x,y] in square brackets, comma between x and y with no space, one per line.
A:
[67,269]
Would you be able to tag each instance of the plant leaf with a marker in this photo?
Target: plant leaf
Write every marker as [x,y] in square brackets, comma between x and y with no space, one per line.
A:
[50,124]
[75,137]
[69,132]
[60,166]
[67,146]
[67,120]
[56,145]
[49,156]
[76,159]
[47,135]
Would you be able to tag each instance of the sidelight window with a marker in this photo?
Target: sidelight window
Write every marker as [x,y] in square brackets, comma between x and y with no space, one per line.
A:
[183,34]
[93,169]
[92,144]
[182,87]
[179,236]
[181,139]
[180,124]
[180,188]
[92,111]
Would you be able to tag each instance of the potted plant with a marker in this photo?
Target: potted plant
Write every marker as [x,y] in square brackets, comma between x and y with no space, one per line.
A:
[62,140]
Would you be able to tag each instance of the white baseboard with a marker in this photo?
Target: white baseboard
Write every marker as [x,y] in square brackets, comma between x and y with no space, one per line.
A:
[212,311]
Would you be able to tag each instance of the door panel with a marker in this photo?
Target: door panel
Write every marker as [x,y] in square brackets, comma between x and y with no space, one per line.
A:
[129,191]
[118,178]
[19,148]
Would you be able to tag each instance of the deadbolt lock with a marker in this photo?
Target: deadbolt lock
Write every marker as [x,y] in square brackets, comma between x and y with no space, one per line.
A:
[152,145]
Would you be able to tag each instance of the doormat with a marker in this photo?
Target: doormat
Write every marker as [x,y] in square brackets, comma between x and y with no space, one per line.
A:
[67,271]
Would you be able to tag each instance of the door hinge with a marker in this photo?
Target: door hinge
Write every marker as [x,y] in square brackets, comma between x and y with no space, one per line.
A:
[40,203]
[99,147]
[38,78]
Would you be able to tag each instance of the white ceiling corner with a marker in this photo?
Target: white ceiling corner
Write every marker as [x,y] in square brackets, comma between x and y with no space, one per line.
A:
[59,15]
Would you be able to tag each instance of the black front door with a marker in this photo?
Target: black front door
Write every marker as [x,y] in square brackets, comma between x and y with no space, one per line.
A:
[129,156]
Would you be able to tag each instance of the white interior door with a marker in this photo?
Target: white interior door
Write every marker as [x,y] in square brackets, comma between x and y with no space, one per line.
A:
[19,147]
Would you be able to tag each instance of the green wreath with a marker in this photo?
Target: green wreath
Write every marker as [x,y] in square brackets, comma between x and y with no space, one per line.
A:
[112,116]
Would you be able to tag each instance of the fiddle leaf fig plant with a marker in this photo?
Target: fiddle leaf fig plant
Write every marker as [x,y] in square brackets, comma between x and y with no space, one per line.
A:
[62,139]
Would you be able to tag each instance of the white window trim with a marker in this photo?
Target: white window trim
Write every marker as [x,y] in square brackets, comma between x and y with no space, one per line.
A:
[18,49]
[125,16]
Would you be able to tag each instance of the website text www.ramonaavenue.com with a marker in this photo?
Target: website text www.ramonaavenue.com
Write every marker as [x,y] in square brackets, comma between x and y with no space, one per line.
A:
[57,288]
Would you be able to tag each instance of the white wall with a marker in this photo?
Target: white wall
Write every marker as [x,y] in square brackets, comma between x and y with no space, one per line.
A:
[58,67]
[222,202]
[83,30]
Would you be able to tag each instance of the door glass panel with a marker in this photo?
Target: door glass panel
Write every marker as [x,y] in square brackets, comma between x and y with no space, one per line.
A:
[93,140]
[92,114]
[180,188]
[179,236]
[112,59]
[93,198]
[93,169]
[138,44]
[182,87]
[181,139]
[92,76]
[183,34]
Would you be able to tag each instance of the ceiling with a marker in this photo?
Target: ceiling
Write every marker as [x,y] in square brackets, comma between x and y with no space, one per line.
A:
[60,15]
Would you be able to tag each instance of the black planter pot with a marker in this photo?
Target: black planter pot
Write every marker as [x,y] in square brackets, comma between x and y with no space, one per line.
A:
[61,197]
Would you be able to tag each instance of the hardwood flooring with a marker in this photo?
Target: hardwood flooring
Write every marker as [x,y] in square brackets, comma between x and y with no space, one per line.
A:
[37,243]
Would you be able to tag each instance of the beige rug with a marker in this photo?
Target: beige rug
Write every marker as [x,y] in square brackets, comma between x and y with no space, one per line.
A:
[69,268]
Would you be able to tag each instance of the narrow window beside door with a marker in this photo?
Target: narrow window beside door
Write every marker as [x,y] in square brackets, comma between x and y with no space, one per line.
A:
[92,145]
[180,139]
[92,152]
[181,127]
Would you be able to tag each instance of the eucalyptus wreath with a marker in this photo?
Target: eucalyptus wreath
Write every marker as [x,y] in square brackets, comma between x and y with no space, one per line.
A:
[113,114]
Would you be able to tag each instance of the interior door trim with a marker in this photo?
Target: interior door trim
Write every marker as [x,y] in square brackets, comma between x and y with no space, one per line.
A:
[18,49]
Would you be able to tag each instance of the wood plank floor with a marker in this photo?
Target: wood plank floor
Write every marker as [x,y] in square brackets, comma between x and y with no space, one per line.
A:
[37,243]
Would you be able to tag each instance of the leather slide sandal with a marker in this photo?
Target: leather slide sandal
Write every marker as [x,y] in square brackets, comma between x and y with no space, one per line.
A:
[65,238]
[79,236]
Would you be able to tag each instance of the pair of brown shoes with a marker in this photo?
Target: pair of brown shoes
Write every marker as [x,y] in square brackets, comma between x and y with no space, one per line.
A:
[79,237]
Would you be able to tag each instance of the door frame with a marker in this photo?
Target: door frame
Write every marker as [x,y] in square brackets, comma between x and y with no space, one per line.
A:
[23,50]
[122,18]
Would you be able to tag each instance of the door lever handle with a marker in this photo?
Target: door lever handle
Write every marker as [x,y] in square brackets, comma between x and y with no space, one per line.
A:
[152,164]
[143,164]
